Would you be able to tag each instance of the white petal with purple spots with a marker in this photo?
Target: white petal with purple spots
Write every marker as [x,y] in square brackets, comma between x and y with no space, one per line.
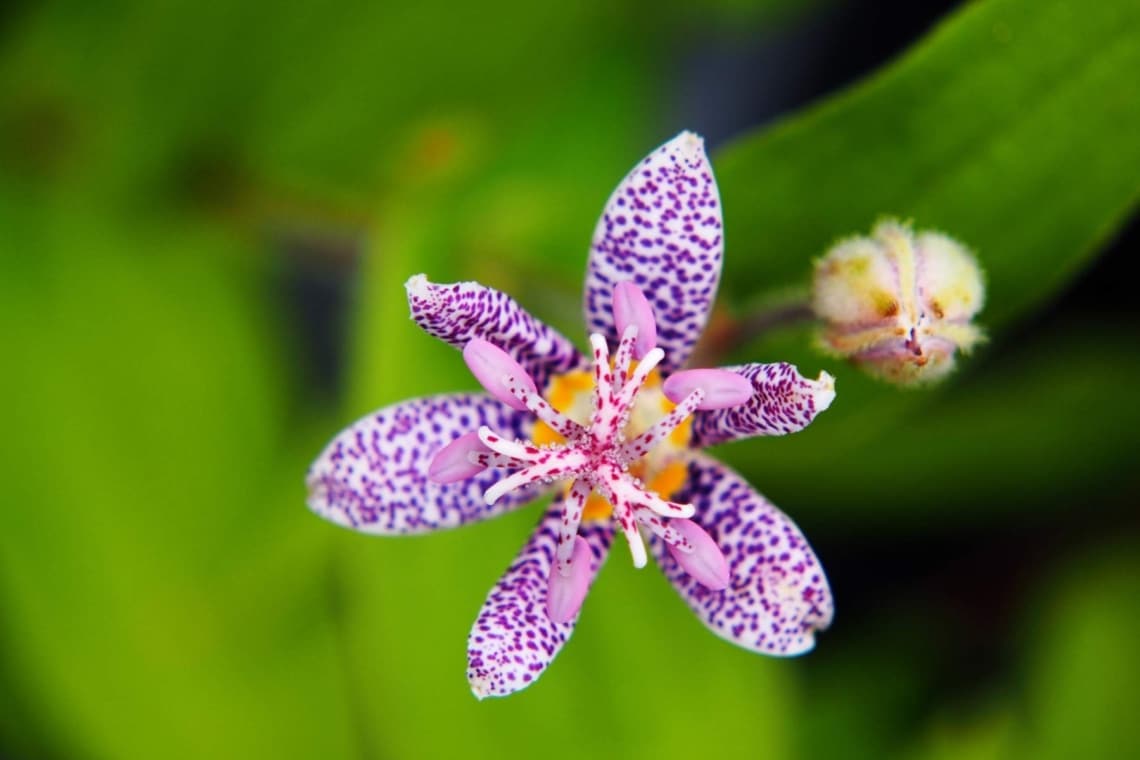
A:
[778,595]
[661,229]
[373,476]
[513,640]
[460,311]
[784,401]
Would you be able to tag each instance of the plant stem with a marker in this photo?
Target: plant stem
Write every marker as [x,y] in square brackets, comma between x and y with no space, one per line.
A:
[726,333]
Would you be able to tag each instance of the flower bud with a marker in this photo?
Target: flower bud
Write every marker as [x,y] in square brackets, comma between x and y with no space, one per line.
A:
[899,304]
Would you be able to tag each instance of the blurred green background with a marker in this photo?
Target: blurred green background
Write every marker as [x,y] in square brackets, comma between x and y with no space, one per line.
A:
[207,212]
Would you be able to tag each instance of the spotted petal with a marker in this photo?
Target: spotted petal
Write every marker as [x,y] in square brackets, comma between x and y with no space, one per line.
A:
[778,596]
[661,229]
[373,476]
[458,312]
[784,401]
[513,640]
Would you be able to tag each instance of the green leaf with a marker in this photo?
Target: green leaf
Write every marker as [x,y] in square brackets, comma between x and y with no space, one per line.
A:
[163,595]
[1081,687]
[1076,694]
[1012,127]
[1044,425]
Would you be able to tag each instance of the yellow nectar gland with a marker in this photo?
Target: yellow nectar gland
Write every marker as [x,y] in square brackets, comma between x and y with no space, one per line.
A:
[662,470]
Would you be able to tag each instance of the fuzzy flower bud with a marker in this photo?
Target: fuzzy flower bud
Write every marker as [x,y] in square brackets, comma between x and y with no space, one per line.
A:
[898,303]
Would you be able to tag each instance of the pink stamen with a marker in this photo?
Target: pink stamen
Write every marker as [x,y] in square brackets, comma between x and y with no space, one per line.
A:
[611,409]
[624,488]
[572,507]
[624,354]
[663,528]
[661,429]
[552,465]
[623,513]
[452,463]
[628,394]
[565,593]
[704,562]
[539,407]
[723,388]
[631,308]
[603,380]
[491,459]
[490,365]
[527,452]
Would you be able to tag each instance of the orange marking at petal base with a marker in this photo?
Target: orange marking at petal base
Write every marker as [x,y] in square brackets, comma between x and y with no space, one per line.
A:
[544,435]
[670,480]
[597,508]
[652,380]
[568,391]
[565,389]
[683,433]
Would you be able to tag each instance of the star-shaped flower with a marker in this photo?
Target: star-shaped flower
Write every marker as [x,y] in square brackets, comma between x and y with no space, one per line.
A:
[618,442]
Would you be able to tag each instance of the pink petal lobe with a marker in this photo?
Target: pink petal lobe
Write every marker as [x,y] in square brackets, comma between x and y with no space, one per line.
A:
[565,594]
[723,389]
[706,563]
[631,307]
[490,365]
[451,464]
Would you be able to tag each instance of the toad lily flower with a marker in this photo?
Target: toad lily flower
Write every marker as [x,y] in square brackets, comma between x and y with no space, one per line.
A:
[617,440]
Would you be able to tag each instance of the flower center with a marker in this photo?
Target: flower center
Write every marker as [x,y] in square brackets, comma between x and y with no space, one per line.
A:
[617,435]
[663,469]
[596,456]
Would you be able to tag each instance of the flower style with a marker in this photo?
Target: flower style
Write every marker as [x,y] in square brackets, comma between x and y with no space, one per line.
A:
[899,304]
[618,440]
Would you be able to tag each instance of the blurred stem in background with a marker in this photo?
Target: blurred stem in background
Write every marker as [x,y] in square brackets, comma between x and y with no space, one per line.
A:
[727,335]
